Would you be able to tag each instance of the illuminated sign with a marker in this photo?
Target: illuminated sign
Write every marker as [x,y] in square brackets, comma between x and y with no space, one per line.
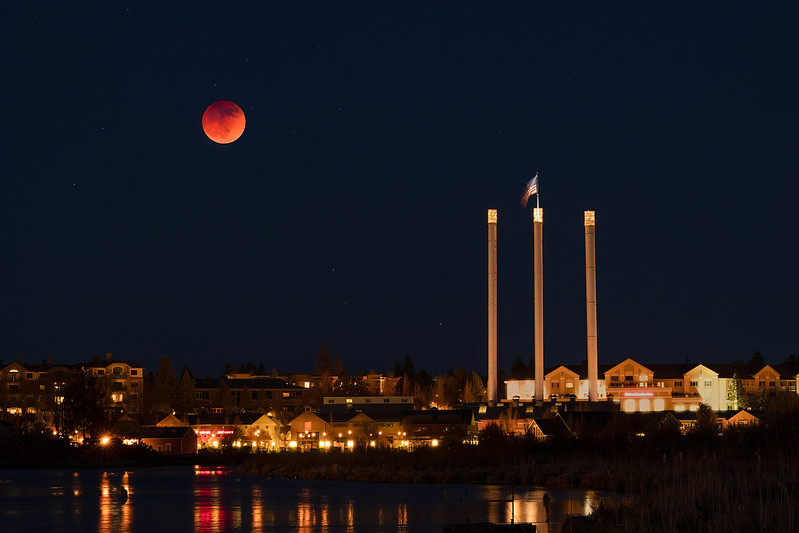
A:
[638,394]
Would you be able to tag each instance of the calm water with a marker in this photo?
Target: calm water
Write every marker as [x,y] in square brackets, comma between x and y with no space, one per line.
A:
[189,499]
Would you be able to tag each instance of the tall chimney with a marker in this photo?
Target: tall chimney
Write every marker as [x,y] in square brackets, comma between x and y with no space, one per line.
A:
[538,299]
[590,303]
[492,305]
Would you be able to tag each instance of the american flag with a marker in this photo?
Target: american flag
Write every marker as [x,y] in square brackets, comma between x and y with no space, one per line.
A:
[530,189]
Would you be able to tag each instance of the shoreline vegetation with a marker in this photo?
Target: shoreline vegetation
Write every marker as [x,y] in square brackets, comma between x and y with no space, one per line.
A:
[744,479]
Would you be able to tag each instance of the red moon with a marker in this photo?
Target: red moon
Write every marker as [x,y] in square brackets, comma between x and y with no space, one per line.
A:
[223,122]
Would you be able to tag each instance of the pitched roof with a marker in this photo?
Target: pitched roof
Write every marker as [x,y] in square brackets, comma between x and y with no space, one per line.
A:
[172,432]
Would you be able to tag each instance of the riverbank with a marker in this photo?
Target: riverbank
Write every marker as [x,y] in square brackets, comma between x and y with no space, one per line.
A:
[744,480]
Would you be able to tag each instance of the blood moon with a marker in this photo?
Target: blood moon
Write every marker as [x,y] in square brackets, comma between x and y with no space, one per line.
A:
[223,122]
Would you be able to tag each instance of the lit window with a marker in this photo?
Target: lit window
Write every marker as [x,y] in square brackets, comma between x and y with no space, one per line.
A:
[569,384]
[643,377]
[307,384]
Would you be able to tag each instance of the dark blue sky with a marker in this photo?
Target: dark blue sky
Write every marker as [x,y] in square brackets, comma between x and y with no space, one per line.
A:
[352,211]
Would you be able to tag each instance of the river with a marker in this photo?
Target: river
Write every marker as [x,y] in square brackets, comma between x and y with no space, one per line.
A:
[204,499]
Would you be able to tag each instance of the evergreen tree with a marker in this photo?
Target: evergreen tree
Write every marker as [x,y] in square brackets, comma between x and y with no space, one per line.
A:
[475,390]
[186,397]
[324,368]
[164,387]
[736,392]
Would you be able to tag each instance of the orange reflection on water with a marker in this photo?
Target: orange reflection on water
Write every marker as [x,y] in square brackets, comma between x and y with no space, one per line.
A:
[209,514]
[402,517]
[115,515]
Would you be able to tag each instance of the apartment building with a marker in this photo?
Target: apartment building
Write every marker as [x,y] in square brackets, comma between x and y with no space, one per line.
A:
[637,387]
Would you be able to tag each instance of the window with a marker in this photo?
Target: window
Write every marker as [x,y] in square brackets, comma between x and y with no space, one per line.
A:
[100,372]
[643,377]
[569,384]
[761,384]
[628,378]
[661,384]
[13,376]
[678,383]
[29,375]
[168,447]
[614,378]
[134,372]
[307,384]
[555,385]
[117,371]
[770,383]
[203,395]
[117,385]
[331,400]
[708,383]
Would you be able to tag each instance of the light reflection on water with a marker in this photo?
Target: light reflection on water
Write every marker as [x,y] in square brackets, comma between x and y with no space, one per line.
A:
[182,499]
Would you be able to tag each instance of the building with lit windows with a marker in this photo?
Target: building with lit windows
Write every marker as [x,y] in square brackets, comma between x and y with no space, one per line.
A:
[38,389]
[638,387]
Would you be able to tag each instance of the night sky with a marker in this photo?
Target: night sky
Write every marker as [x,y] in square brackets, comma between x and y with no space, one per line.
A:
[352,211]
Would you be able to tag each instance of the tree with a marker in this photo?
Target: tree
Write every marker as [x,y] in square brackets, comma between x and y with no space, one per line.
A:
[519,370]
[736,393]
[186,397]
[756,363]
[164,387]
[424,389]
[445,391]
[87,409]
[325,369]
[706,423]
[474,391]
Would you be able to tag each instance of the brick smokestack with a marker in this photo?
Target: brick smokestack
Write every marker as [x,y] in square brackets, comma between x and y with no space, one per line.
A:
[538,299]
[492,305]
[590,304]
